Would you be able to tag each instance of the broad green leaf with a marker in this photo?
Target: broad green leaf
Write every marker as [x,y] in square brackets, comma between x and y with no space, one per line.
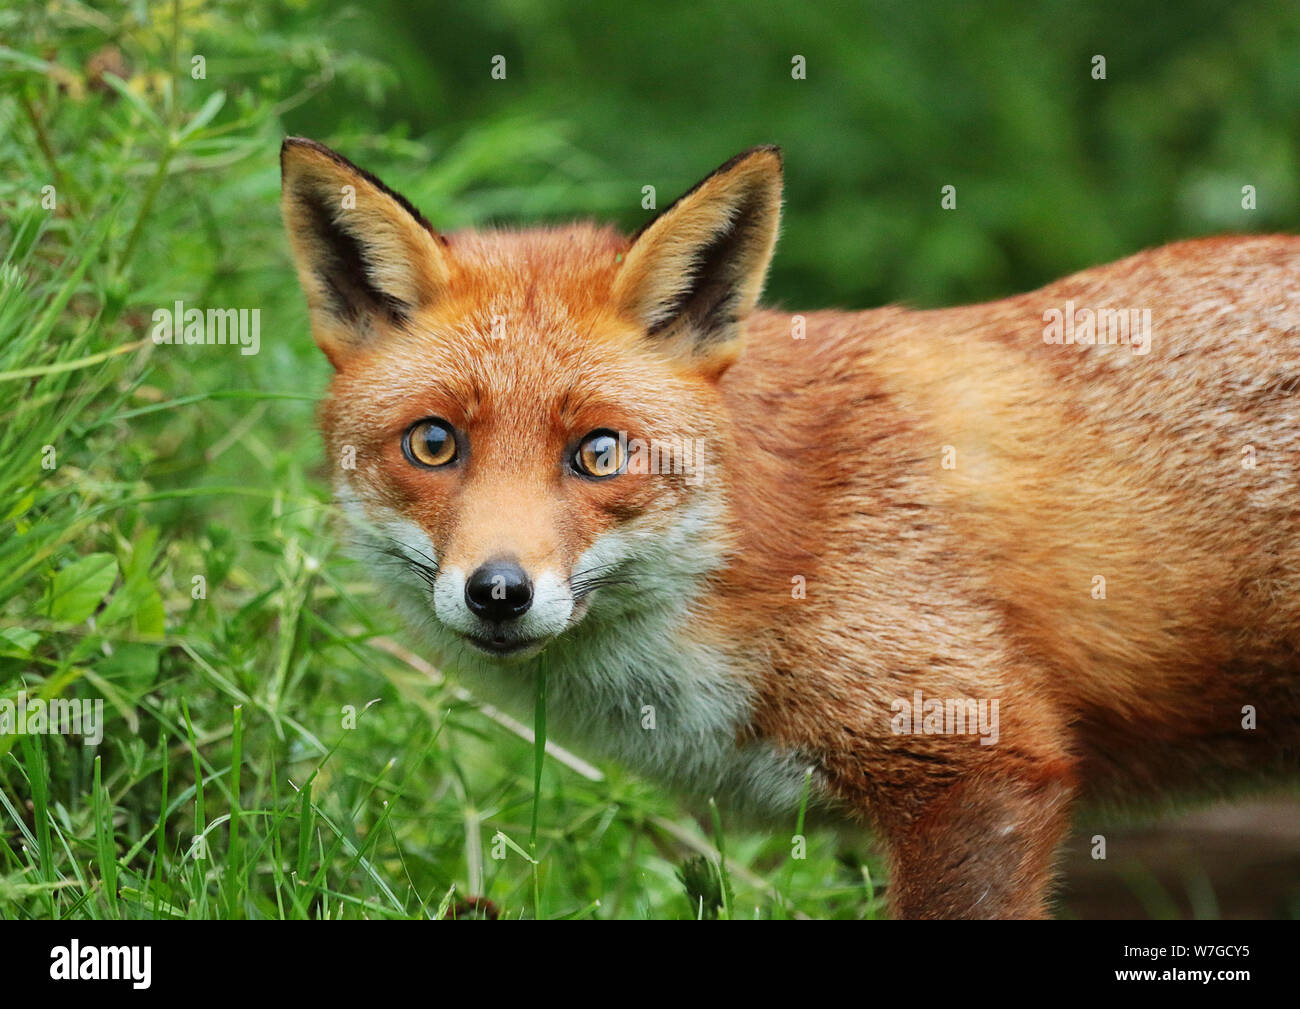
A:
[21,638]
[80,587]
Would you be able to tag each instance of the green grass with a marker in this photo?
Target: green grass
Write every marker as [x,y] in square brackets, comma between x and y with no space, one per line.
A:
[167,546]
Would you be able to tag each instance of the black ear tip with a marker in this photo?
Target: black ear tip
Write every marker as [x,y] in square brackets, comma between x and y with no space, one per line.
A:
[303,144]
[289,144]
[772,150]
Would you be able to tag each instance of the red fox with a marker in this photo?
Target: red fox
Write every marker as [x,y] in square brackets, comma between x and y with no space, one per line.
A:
[969,567]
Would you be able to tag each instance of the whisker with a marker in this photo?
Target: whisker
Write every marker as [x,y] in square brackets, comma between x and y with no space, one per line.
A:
[594,569]
[426,572]
[432,562]
[588,583]
[423,576]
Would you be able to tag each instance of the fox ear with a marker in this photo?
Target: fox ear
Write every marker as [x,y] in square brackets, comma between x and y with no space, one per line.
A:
[695,271]
[366,258]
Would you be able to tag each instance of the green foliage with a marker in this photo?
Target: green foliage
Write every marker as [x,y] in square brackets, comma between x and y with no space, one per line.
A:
[1054,170]
[706,889]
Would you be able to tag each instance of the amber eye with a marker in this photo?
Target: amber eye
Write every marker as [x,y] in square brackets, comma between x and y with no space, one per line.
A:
[430,443]
[601,454]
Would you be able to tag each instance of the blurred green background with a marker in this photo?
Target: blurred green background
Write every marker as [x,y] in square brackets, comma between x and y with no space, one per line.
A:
[180,462]
[1054,170]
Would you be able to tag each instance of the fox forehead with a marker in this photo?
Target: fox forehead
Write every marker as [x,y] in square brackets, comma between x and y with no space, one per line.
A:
[525,338]
[575,262]
[541,284]
[552,376]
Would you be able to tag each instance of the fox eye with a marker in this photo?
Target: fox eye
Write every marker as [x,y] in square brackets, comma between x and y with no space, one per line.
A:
[429,443]
[601,454]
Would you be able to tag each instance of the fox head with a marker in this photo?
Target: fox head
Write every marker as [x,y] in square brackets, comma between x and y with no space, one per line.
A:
[528,425]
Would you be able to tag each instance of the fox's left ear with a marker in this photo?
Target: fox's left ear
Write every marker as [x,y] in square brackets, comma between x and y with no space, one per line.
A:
[695,271]
[366,258]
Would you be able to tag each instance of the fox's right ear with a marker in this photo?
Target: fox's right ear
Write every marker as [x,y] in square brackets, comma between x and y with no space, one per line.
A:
[366,258]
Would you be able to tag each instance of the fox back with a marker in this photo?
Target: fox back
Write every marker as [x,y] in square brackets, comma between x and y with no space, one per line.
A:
[968,567]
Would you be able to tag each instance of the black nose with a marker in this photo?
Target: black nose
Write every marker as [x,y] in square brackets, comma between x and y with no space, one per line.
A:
[499,590]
